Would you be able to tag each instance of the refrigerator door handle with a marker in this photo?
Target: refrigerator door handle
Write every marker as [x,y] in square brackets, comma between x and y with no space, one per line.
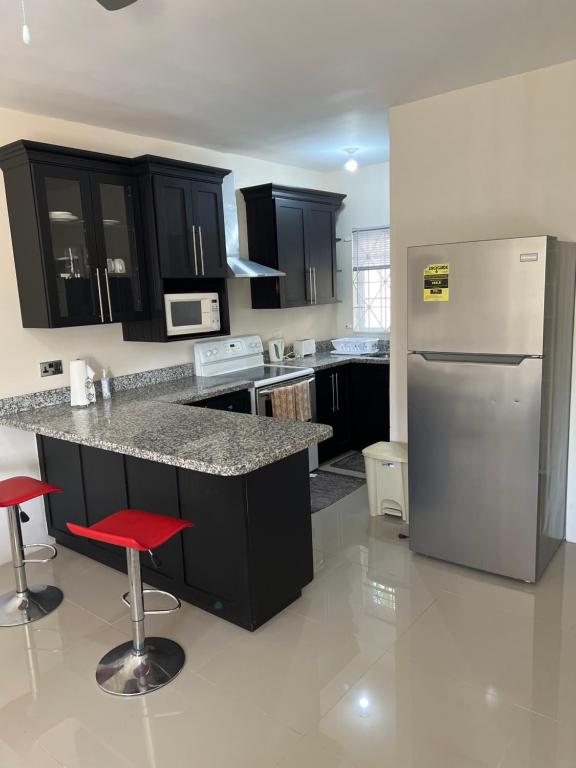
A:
[457,357]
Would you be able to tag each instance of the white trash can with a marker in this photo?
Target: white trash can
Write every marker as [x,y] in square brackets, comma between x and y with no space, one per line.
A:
[387,478]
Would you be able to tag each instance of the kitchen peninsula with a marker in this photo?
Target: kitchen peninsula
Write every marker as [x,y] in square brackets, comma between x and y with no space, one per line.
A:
[241,479]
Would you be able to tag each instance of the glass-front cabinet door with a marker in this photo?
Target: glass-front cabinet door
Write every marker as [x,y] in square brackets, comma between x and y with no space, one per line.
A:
[73,279]
[116,235]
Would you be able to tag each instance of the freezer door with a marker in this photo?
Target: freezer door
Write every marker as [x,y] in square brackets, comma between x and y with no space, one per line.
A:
[489,297]
[473,439]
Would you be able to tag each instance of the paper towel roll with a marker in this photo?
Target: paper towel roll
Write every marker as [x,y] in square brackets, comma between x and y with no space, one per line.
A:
[82,390]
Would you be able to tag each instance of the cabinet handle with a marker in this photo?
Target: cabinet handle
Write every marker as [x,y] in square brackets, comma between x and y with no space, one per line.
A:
[333,394]
[311,288]
[100,294]
[315,294]
[337,391]
[194,244]
[108,294]
[201,248]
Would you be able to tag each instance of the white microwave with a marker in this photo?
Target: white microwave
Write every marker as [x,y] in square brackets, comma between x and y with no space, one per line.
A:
[188,313]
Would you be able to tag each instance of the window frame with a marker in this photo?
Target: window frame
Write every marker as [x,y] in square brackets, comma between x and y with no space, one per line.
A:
[360,302]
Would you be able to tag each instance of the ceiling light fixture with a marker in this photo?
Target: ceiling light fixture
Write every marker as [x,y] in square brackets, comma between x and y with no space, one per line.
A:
[25,29]
[351,164]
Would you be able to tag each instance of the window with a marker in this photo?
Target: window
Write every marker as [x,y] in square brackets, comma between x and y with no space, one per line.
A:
[371,279]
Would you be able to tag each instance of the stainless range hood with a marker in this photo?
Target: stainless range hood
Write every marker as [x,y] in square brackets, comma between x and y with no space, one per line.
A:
[237,266]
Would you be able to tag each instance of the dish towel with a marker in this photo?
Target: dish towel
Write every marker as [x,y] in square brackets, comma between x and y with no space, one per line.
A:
[302,401]
[283,403]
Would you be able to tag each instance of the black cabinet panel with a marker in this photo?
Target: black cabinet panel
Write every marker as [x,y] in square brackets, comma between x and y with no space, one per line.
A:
[153,487]
[60,464]
[293,230]
[370,397]
[215,550]
[209,220]
[64,214]
[104,488]
[238,402]
[295,288]
[277,575]
[321,237]
[104,483]
[334,407]
[116,227]
[177,248]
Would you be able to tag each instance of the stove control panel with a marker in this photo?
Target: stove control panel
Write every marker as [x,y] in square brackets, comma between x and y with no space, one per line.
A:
[215,356]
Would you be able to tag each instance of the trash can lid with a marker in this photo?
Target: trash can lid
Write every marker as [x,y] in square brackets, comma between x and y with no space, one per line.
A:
[387,452]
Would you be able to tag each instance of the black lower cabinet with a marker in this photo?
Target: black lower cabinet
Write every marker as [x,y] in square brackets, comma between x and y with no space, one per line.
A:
[237,402]
[249,553]
[333,407]
[370,402]
[153,487]
[354,399]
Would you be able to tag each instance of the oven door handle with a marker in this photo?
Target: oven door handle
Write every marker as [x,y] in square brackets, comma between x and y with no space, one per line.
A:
[269,391]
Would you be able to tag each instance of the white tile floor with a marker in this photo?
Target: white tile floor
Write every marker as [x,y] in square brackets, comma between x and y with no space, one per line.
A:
[388,659]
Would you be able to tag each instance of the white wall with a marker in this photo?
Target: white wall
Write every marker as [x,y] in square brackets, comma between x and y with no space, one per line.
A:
[494,160]
[23,349]
[367,205]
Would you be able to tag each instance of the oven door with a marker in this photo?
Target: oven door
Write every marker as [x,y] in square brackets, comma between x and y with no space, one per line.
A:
[263,407]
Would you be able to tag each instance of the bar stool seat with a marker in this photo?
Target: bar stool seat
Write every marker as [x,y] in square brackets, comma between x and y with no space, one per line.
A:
[25,604]
[144,663]
[132,528]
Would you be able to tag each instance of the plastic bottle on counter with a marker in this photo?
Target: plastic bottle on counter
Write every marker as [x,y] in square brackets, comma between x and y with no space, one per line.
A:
[105,384]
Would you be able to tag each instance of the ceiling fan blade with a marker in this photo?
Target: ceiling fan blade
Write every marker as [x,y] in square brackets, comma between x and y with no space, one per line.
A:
[115,5]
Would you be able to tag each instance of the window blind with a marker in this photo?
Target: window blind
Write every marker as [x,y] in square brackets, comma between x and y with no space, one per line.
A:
[371,248]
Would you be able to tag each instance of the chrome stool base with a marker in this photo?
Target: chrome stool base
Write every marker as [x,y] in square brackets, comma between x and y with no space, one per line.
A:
[17,608]
[123,672]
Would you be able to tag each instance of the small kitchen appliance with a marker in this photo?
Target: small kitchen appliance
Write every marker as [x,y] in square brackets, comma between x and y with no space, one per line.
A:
[303,347]
[190,313]
[276,350]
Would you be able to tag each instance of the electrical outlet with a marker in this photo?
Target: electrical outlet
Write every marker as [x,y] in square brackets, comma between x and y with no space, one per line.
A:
[51,368]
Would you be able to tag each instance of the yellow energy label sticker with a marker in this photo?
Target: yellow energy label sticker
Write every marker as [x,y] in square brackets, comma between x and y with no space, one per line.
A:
[436,277]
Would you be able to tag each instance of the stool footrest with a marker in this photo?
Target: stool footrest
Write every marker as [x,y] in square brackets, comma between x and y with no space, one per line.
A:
[53,553]
[158,611]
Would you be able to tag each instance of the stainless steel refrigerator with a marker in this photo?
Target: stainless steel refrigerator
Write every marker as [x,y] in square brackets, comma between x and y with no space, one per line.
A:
[490,335]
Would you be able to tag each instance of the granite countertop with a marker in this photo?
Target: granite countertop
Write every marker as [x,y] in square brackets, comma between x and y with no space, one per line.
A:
[155,421]
[202,439]
[328,360]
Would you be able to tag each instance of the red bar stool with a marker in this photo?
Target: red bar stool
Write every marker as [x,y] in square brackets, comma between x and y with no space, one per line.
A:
[26,604]
[144,663]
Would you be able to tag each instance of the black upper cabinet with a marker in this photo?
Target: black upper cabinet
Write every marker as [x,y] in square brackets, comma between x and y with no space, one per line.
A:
[116,212]
[184,240]
[176,237]
[190,222]
[293,230]
[100,238]
[73,218]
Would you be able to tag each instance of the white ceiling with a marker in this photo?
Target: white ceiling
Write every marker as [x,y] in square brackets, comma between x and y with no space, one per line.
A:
[295,81]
